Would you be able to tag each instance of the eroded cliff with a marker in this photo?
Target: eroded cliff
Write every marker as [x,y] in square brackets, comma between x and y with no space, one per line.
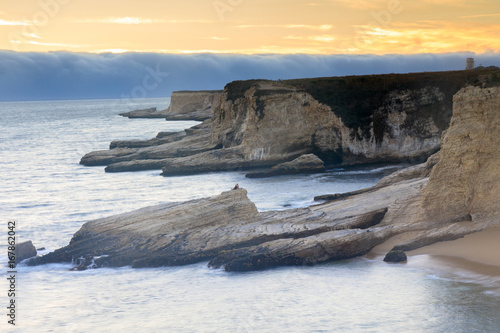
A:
[344,121]
[191,105]
[460,197]
[273,120]
[184,105]
[464,185]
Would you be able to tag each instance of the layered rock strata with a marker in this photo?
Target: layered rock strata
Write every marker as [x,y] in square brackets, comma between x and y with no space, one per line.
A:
[189,142]
[308,163]
[344,121]
[459,197]
[184,105]
[191,105]
[145,113]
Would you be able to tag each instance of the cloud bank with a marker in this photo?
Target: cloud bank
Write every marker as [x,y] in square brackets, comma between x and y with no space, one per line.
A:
[65,75]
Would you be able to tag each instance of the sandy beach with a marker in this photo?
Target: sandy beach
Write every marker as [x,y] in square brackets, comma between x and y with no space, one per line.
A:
[481,247]
[475,258]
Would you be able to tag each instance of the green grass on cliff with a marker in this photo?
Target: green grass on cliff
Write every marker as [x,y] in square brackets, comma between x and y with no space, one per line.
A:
[237,89]
[355,98]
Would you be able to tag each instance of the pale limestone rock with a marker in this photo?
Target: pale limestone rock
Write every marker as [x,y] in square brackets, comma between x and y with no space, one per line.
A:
[465,185]
[191,105]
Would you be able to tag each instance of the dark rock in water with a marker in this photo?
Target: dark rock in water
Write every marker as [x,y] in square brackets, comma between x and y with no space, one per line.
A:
[395,256]
[24,250]
[41,249]
[308,163]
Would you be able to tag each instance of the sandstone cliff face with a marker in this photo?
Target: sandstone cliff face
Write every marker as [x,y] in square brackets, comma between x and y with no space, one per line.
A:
[460,197]
[191,105]
[342,120]
[464,185]
[271,120]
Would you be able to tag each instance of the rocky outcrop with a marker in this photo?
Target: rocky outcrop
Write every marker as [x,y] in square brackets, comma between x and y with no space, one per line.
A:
[464,184]
[149,154]
[24,251]
[228,231]
[266,122]
[343,121]
[395,256]
[191,105]
[308,163]
[161,138]
[145,113]
[184,105]
[212,228]
[413,172]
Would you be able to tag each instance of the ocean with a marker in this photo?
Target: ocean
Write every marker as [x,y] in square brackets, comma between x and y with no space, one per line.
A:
[50,196]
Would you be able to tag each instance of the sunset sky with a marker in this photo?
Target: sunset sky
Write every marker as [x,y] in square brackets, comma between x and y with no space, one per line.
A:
[251,26]
[84,49]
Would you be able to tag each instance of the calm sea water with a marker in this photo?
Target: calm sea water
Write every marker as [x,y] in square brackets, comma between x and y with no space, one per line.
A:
[49,195]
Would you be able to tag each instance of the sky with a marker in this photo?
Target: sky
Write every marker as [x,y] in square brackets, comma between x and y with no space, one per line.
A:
[251,26]
[66,49]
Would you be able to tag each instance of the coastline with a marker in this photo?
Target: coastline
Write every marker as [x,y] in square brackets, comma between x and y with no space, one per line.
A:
[474,258]
[481,247]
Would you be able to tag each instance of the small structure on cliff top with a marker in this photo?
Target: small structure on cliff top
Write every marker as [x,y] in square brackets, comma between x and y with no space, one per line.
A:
[470,64]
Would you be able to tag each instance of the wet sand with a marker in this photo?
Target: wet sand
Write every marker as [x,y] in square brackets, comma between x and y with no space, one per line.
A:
[481,247]
[477,253]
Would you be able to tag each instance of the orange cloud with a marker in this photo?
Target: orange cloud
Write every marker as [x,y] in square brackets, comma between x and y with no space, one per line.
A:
[433,37]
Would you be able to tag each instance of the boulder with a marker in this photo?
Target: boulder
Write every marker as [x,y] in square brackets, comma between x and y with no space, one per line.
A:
[24,251]
[395,256]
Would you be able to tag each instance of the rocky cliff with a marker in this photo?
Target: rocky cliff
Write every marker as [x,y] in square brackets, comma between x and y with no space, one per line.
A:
[460,197]
[145,113]
[191,105]
[344,121]
[272,119]
[465,185]
[184,105]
